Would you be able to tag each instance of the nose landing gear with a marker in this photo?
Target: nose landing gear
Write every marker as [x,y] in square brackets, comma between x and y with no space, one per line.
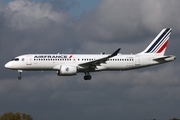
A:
[20,77]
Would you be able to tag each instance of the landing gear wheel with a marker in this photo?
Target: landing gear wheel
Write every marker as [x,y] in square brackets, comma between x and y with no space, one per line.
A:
[87,76]
[19,77]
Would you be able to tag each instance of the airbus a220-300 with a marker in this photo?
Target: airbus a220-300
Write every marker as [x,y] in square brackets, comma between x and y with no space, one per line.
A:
[71,64]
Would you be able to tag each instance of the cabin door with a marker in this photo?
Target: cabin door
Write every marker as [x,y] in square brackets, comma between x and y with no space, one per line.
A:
[28,60]
[137,60]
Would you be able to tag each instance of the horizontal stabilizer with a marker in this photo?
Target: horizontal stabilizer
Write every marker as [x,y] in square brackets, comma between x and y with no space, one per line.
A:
[165,58]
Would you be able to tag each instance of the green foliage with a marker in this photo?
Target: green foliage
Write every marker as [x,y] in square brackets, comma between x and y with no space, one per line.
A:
[15,116]
[175,119]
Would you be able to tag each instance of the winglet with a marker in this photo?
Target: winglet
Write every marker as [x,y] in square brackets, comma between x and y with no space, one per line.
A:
[115,53]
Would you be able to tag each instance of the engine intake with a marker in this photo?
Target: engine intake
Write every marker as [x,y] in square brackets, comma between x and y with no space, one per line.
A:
[67,70]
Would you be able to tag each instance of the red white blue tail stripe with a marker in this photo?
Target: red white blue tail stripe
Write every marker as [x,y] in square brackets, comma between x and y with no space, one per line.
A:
[159,44]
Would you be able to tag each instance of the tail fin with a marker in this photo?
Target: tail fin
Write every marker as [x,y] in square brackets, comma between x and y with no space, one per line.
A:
[159,44]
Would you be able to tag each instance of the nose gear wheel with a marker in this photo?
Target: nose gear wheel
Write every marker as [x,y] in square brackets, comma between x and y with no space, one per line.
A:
[20,77]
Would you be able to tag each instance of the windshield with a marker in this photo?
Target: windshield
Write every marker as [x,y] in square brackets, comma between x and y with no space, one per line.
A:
[15,59]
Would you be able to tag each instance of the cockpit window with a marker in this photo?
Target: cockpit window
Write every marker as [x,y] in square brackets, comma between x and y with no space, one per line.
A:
[15,59]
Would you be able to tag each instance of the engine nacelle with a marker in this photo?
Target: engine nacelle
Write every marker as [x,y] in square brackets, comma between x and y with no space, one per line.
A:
[67,70]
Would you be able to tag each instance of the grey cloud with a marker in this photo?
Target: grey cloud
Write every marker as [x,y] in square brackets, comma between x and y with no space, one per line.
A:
[157,14]
[136,18]
[111,96]
[109,19]
[24,14]
[29,23]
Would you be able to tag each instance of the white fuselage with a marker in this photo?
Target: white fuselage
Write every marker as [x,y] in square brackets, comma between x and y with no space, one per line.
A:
[50,61]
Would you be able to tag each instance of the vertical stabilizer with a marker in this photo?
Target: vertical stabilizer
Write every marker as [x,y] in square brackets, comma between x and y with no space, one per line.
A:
[159,44]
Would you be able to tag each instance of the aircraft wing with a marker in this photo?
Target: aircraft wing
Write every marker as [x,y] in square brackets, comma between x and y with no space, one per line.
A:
[94,63]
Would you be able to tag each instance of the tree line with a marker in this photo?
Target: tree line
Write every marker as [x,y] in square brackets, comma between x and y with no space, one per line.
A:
[15,116]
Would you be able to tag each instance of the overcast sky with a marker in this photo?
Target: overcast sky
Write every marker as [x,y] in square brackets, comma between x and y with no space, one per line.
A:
[79,26]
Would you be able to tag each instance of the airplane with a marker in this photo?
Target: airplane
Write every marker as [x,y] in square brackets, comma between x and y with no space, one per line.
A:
[71,64]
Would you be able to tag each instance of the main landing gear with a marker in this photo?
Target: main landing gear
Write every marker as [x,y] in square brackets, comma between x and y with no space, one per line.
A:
[87,76]
[20,77]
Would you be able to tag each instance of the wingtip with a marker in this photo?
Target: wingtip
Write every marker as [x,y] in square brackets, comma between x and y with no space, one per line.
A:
[116,52]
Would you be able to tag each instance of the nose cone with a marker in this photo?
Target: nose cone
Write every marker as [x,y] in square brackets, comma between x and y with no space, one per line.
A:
[8,65]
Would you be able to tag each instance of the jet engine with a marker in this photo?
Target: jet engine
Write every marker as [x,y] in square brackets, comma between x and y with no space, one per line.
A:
[67,70]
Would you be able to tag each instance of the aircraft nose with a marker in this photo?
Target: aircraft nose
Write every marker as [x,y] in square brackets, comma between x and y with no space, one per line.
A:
[8,65]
